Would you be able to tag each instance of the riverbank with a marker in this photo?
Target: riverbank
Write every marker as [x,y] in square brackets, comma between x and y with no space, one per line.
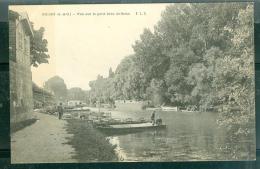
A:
[89,144]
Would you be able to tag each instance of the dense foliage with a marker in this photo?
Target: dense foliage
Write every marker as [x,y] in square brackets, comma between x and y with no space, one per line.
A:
[199,56]
[76,93]
[57,85]
[39,48]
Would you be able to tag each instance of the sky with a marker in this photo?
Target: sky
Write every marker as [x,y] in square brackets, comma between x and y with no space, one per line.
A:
[83,46]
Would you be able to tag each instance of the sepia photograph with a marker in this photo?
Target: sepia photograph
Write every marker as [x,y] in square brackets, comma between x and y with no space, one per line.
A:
[159,82]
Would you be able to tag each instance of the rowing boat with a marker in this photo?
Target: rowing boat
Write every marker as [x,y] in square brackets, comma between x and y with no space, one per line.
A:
[129,128]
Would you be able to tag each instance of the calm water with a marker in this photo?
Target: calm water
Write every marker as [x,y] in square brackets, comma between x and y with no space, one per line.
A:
[189,136]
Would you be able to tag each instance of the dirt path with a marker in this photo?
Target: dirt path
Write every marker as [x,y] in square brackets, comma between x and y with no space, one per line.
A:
[42,142]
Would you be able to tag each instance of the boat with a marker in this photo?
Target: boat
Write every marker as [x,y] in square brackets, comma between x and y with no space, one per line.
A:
[153,108]
[117,121]
[189,111]
[129,128]
[168,108]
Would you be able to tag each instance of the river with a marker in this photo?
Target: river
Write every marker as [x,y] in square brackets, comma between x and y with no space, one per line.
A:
[190,136]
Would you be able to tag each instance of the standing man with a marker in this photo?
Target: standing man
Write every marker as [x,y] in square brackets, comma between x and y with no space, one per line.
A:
[153,117]
[60,111]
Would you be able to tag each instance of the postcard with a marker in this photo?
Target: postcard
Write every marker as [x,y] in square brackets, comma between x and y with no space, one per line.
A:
[160,82]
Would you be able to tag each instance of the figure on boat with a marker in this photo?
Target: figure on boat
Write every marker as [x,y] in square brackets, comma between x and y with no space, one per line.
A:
[158,121]
[153,117]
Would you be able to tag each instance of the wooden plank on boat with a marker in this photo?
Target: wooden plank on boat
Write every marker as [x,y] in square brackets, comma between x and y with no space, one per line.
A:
[132,125]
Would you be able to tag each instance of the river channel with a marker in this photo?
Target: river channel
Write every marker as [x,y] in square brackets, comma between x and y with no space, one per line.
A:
[190,136]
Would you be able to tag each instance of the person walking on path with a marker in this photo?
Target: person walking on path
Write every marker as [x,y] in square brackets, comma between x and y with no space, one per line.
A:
[60,111]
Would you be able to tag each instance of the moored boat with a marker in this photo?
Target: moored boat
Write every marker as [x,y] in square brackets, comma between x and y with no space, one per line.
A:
[129,128]
[168,108]
[153,108]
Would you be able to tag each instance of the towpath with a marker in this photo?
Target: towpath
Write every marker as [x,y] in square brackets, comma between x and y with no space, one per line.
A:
[45,141]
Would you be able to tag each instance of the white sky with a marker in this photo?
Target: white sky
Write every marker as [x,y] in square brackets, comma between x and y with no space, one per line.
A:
[81,47]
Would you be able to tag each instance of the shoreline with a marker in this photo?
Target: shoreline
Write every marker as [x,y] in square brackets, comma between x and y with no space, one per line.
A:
[121,155]
[89,144]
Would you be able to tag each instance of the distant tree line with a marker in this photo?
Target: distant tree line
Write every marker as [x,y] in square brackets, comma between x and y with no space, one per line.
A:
[59,88]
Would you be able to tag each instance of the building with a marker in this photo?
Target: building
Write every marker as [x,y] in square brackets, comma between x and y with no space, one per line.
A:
[21,96]
[75,103]
[42,97]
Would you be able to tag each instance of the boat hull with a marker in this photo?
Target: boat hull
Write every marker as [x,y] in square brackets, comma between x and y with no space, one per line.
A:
[169,108]
[127,130]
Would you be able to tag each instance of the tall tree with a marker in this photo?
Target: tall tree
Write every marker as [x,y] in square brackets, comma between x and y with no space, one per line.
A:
[57,85]
[234,77]
[110,73]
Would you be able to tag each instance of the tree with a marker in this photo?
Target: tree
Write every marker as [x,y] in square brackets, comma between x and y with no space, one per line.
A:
[156,92]
[39,48]
[102,90]
[149,56]
[110,73]
[235,78]
[121,79]
[76,93]
[57,85]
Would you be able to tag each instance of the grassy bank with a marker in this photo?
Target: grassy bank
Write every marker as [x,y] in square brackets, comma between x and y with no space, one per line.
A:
[90,145]
[21,125]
